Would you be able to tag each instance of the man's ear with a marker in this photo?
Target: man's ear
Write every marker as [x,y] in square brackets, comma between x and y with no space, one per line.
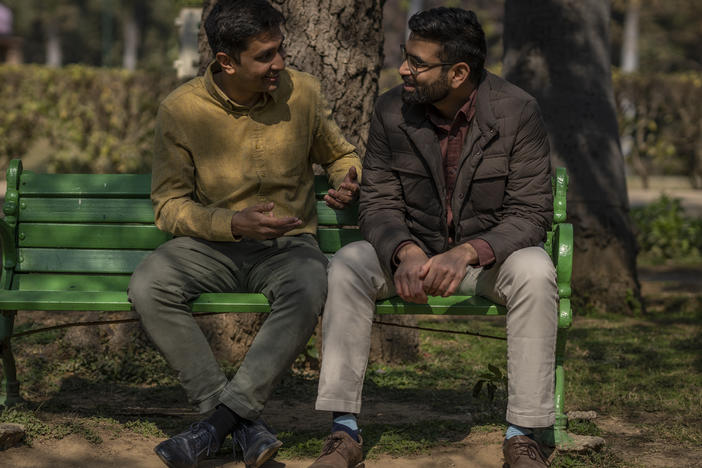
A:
[460,73]
[227,63]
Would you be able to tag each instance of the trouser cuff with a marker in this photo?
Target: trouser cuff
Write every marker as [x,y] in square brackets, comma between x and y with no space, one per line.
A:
[531,422]
[340,406]
[239,406]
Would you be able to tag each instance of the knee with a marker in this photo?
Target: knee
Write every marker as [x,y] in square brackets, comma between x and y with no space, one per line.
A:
[350,262]
[308,288]
[532,268]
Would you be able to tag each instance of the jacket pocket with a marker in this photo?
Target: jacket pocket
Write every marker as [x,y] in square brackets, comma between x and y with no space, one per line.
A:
[488,187]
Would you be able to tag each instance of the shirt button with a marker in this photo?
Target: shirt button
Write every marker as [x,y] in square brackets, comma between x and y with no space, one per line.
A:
[460,196]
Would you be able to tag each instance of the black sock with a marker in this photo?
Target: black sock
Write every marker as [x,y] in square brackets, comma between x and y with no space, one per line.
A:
[223,420]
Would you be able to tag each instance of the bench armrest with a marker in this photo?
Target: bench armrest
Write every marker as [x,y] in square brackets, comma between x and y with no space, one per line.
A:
[9,253]
[562,257]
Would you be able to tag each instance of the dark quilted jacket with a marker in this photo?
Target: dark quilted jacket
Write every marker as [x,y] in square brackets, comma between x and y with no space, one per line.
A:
[503,189]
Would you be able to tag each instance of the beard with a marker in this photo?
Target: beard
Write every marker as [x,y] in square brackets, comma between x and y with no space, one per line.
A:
[428,93]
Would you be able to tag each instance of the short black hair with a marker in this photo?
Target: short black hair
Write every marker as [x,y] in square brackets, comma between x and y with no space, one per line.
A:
[232,23]
[458,31]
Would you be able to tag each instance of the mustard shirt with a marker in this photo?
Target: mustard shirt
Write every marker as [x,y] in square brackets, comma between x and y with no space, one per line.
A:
[214,157]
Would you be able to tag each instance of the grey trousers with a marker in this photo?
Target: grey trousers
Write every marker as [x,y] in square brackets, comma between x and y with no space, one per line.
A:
[525,282]
[289,271]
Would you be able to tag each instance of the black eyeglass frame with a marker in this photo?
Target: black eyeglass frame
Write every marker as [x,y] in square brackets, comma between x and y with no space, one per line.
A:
[425,66]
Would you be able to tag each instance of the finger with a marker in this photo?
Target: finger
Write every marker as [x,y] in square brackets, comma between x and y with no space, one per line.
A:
[333,202]
[263,207]
[452,287]
[351,175]
[424,269]
[348,187]
[442,288]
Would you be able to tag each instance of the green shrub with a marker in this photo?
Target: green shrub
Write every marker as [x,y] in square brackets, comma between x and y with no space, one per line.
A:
[94,119]
[663,231]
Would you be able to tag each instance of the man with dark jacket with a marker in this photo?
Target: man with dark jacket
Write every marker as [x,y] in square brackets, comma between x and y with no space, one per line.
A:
[456,198]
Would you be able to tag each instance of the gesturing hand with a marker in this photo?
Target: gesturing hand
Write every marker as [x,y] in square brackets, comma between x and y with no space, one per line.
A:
[443,273]
[408,283]
[257,222]
[347,192]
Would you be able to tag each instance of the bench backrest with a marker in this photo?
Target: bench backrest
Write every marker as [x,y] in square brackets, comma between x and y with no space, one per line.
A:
[88,232]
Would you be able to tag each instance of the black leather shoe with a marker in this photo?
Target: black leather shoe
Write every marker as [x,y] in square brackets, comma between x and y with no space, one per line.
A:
[257,442]
[187,449]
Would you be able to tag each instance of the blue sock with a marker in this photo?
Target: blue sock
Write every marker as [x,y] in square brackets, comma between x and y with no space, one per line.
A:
[513,430]
[346,422]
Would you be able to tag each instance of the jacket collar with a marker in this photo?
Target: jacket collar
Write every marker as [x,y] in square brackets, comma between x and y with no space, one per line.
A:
[415,115]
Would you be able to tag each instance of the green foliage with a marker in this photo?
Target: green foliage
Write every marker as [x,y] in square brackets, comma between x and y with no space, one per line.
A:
[663,231]
[661,117]
[491,380]
[94,120]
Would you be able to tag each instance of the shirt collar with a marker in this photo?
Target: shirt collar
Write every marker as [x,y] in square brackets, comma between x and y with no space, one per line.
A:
[466,111]
[217,93]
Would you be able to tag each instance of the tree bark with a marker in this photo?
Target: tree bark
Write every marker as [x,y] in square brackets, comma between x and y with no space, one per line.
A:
[339,42]
[54,53]
[558,51]
[131,38]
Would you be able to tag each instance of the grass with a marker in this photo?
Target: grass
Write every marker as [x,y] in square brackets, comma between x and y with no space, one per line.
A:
[646,370]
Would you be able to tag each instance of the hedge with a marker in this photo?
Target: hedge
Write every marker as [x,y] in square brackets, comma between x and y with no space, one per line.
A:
[93,119]
[101,120]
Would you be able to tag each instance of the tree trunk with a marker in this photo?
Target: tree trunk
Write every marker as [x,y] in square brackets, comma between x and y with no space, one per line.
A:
[630,41]
[339,42]
[558,51]
[131,39]
[54,54]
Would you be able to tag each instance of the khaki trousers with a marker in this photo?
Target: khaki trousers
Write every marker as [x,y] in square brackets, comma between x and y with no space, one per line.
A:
[290,271]
[525,283]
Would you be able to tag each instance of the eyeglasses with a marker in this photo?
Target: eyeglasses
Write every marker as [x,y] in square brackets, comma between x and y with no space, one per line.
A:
[416,66]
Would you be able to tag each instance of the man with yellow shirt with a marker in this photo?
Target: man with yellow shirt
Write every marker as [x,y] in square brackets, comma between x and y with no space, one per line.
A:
[232,180]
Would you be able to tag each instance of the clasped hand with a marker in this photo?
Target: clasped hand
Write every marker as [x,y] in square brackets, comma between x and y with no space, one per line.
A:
[418,276]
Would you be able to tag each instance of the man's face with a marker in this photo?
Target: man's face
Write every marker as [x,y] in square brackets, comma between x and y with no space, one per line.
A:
[260,64]
[429,83]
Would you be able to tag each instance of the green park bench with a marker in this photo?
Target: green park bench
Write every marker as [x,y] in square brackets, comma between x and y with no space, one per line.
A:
[71,241]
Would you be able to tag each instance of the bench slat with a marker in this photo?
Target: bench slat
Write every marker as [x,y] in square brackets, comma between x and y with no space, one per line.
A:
[117,301]
[228,303]
[67,282]
[332,239]
[120,210]
[86,210]
[91,236]
[85,185]
[108,236]
[79,261]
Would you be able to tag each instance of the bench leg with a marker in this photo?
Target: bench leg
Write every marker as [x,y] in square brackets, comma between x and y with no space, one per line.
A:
[10,383]
[561,437]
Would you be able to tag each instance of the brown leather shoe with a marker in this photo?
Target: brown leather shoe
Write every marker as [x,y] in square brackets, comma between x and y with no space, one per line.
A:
[340,451]
[523,452]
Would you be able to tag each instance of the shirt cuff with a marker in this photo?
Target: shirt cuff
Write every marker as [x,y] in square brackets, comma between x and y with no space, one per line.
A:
[486,256]
[395,260]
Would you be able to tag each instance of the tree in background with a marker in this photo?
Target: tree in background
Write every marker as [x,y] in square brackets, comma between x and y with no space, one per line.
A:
[558,51]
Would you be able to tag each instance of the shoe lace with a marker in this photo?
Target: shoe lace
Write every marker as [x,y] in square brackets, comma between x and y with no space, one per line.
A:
[331,444]
[528,449]
[205,436]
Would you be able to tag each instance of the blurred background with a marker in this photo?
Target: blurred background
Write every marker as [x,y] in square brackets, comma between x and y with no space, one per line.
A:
[82,79]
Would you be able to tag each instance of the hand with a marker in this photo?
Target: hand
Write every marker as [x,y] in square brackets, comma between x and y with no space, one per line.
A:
[257,222]
[408,283]
[347,192]
[443,273]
